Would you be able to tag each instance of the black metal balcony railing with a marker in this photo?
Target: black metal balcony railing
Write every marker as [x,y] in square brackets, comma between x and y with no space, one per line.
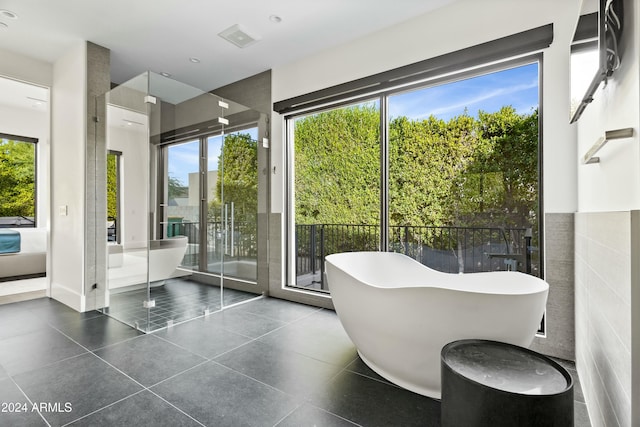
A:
[447,249]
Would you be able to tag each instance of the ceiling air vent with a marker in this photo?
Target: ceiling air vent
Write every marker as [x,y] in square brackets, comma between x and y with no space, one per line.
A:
[238,36]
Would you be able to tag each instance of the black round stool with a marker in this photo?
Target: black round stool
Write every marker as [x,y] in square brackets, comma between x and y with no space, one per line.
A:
[489,383]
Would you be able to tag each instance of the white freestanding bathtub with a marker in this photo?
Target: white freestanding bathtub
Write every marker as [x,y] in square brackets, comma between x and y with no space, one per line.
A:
[400,313]
[129,267]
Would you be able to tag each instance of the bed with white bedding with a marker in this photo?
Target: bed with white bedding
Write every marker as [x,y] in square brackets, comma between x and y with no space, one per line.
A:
[23,251]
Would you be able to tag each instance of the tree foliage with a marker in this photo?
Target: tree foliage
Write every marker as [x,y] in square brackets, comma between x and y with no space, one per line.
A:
[17,178]
[466,171]
[337,167]
[177,188]
[501,185]
[112,185]
[237,176]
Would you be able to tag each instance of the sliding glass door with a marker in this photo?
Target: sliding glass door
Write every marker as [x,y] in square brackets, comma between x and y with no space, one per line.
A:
[232,205]
[212,187]
[336,188]
[463,172]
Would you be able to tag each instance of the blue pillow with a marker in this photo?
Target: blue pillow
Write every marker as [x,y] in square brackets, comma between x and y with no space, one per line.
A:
[9,241]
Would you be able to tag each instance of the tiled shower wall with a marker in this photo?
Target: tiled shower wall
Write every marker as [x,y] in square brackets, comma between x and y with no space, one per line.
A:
[606,287]
[559,273]
[95,266]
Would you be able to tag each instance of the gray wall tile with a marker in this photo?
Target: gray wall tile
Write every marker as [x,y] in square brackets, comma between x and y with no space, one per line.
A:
[604,333]
[559,273]
[253,92]
[98,83]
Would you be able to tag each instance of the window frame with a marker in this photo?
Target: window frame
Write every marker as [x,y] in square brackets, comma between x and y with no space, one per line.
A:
[33,141]
[289,283]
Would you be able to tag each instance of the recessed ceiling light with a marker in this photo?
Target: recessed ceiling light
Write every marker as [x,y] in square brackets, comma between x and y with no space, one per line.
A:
[8,14]
[164,73]
[275,18]
[194,60]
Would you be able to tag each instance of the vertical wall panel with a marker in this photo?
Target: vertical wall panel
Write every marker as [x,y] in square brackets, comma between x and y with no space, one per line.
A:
[604,333]
[559,273]
[98,83]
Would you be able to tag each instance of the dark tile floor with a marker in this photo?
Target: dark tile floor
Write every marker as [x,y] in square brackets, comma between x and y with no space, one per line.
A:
[264,363]
[177,300]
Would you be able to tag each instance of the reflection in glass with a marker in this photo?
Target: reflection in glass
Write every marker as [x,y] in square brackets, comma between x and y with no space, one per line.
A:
[232,203]
[583,63]
[183,197]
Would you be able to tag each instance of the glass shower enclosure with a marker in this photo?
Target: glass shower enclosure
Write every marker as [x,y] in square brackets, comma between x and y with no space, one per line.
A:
[182,200]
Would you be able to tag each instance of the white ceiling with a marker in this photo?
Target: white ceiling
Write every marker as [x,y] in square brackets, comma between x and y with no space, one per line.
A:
[161,35]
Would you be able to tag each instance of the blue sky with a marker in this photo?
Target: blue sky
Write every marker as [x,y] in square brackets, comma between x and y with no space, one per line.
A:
[517,87]
[184,158]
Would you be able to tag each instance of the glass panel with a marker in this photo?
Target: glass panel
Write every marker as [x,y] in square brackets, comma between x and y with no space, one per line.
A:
[463,173]
[127,133]
[232,224]
[17,183]
[584,65]
[336,182]
[113,197]
[183,191]
[216,233]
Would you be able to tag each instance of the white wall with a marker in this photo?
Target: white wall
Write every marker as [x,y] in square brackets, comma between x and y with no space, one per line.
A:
[68,130]
[134,145]
[27,69]
[607,258]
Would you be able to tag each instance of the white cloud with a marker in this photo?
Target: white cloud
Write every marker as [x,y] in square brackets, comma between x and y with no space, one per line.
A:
[482,97]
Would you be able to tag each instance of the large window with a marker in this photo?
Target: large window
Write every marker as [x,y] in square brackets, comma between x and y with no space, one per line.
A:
[463,172]
[446,172]
[17,181]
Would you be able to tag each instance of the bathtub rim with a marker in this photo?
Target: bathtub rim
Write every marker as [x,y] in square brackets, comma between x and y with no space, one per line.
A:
[169,242]
[464,281]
